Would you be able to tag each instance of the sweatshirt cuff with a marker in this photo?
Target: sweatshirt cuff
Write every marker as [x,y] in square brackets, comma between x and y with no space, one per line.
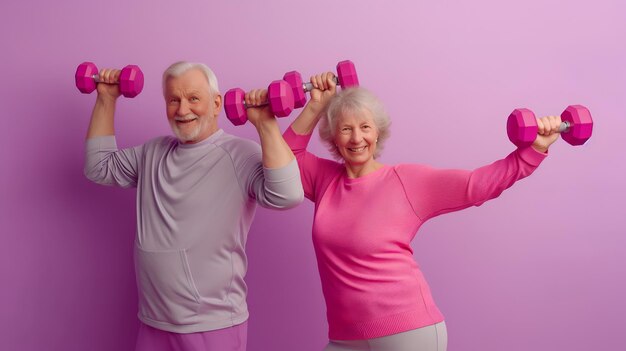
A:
[532,156]
[296,141]
[282,174]
[101,142]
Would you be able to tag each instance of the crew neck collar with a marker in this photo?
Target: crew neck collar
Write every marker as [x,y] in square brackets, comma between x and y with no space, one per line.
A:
[204,142]
[372,175]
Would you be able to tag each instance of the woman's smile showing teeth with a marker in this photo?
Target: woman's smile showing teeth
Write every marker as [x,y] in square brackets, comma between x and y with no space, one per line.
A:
[359,149]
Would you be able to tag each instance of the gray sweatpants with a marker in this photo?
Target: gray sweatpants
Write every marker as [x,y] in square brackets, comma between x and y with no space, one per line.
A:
[430,338]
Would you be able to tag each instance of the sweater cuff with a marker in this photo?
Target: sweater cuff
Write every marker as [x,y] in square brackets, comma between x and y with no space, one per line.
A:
[532,156]
[106,142]
[296,141]
[287,172]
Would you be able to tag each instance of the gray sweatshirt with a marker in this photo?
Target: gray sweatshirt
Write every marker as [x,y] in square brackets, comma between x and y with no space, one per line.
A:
[195,204]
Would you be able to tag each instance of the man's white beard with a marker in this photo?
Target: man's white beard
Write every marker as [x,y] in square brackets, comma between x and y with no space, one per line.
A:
[189,135]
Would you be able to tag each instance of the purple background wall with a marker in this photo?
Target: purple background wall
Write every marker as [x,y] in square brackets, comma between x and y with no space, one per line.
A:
[541,268]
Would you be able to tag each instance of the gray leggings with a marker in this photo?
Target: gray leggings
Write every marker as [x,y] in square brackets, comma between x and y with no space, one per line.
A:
[431,338]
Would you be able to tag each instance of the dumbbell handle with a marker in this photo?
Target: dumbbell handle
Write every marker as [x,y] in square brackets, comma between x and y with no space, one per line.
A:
[308,86]
[564,127]
[96,78]
[259,105]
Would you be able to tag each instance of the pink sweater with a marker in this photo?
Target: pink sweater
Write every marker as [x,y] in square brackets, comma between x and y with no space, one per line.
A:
[363,228]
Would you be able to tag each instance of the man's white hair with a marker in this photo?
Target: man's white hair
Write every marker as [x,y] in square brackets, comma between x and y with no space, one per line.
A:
[179,68]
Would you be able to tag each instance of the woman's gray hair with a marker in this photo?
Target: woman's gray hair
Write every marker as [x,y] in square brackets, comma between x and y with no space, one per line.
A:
[179,68]
[353,100]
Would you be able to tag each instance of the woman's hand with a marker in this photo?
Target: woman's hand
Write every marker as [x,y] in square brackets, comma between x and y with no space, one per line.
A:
[324,88]
[547,132]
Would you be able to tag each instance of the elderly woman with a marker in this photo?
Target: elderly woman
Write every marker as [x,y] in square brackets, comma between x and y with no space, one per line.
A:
[367,213]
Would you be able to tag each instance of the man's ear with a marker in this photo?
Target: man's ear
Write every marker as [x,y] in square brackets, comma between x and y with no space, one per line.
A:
[217,105]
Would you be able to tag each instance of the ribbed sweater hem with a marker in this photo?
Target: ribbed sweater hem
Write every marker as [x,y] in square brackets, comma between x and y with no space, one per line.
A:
[197,327]
[384,326]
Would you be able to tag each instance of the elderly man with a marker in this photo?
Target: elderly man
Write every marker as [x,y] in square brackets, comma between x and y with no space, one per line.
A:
[196,198]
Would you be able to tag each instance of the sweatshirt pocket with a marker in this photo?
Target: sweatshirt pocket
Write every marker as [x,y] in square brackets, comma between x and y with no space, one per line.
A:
[167,292]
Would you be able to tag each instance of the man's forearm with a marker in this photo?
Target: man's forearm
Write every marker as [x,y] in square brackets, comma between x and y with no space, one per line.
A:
[276,152]
[102,117]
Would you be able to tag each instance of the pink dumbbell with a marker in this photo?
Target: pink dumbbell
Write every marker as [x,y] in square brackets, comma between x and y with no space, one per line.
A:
[280,99]
[346,77]
[575,129]
[130,81]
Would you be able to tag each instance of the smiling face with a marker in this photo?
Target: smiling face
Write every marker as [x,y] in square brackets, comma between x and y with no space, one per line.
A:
[356,136]
[191,108]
